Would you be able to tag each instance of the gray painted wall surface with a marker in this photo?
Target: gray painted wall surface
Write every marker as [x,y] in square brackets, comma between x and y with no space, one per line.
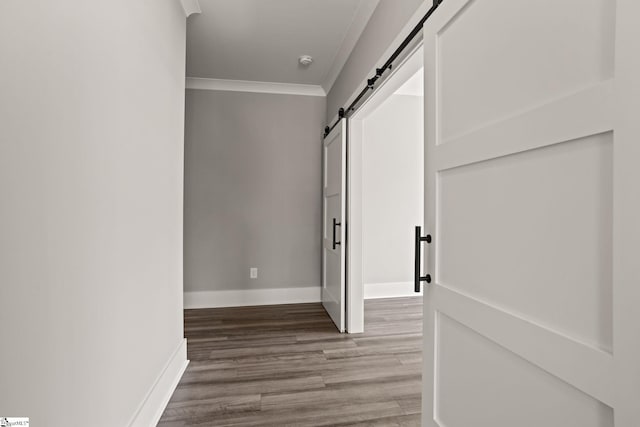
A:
[392,196]
[384,26]
[91,178]
[252,190]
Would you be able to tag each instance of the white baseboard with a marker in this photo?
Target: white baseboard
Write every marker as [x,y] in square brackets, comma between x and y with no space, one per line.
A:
[248,297]
[154,404]
[389,290]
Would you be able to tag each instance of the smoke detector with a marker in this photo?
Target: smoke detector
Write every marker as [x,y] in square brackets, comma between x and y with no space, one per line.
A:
[305,60]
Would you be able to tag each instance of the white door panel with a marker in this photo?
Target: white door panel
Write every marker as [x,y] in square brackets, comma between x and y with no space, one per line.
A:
[534,216]
[522,150]
[500,57]
[333,253]
[484,395]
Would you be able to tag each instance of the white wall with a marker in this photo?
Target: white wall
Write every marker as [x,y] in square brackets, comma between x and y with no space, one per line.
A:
[392,202]
[252,197]
[91,178]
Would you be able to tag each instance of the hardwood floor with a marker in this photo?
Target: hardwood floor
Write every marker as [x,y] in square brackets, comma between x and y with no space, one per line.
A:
[287,365]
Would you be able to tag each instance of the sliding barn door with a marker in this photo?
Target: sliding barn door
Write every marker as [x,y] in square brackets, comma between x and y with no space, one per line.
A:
[532,199]
[333,251]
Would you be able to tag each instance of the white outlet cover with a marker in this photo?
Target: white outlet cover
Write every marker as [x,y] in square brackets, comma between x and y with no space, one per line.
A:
[253,273]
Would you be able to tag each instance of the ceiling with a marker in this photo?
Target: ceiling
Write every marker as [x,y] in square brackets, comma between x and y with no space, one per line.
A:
[261,40]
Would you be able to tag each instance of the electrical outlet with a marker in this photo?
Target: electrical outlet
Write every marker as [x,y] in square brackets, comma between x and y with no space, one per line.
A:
[253,273]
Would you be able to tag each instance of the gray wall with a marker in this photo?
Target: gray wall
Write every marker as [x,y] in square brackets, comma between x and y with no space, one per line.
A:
[91,178]
[384,26]
[392,184]
[252,190]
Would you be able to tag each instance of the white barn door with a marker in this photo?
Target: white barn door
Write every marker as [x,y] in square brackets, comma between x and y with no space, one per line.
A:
[532,191]
[333,241]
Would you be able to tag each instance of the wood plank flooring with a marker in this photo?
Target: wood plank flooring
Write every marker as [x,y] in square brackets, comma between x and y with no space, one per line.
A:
[287,365]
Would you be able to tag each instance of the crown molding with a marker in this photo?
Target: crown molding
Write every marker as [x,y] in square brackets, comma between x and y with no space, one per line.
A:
[255,87]
[190,7]
[360,21]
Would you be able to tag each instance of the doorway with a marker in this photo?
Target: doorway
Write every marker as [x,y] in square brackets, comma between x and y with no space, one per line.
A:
[385,190]
[392,191]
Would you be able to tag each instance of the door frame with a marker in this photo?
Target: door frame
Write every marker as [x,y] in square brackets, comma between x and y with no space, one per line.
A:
[400,73]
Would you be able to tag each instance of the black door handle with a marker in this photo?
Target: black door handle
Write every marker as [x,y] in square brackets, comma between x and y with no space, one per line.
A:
[335,224]
[417,278]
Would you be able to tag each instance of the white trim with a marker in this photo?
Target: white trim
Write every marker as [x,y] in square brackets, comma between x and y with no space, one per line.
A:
[354,284]
[390,290]
[154,404]
[249,297]
[190,7]
[360,21]
[255,87]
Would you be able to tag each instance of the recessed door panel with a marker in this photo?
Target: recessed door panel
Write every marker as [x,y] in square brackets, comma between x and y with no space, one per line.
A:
[546,215]
[498,388]
[562,48]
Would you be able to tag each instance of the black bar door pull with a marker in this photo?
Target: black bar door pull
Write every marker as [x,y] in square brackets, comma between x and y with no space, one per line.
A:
[417,278]
[335,224]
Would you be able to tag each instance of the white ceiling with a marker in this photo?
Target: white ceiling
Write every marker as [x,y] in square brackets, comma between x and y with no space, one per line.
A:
[261,40]
[413,86]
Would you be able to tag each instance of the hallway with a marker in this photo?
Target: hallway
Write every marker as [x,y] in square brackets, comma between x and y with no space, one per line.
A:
[287,365]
